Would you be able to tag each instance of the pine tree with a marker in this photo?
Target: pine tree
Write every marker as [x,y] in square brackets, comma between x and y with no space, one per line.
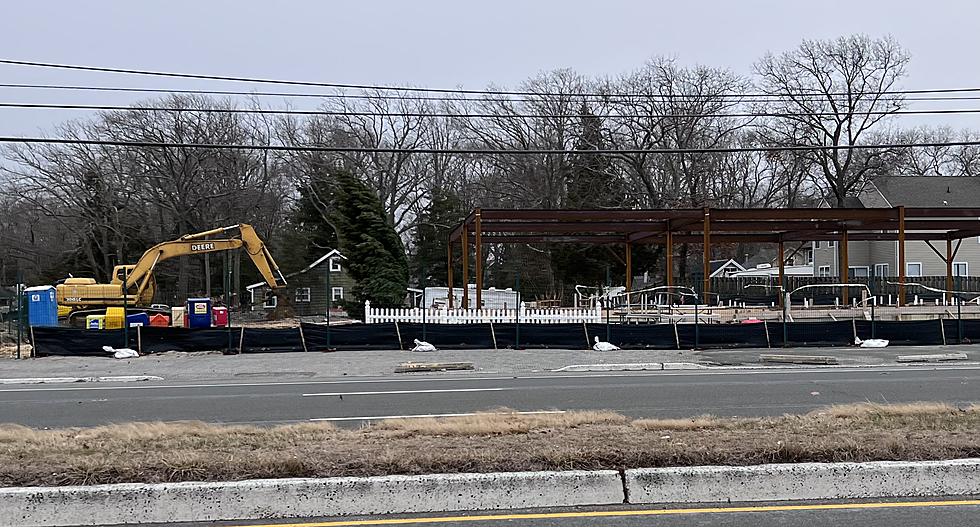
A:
[431,236]
[375,254]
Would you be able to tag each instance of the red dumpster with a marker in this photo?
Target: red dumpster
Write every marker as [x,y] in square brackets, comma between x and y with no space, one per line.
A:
[219,317]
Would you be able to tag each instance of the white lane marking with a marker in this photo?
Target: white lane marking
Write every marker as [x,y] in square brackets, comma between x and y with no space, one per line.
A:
[775,371]
[422,416]
[406,392]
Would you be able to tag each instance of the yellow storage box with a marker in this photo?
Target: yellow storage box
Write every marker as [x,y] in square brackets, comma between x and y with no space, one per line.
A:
[95,322]
[115,317]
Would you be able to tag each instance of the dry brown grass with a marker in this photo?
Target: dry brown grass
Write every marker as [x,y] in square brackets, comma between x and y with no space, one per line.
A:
[194,451]
[693,423]
[498,422]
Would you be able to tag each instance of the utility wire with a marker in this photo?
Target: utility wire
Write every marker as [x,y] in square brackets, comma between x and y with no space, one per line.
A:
[345,86]
[574,115]
[379,96]
[475,151]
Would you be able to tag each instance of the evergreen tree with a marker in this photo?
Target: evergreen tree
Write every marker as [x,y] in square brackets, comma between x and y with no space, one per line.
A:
[590,183]
[375,254]
[431,237]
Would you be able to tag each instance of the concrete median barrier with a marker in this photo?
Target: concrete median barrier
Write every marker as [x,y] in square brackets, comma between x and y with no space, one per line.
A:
[804,481]
[284,498]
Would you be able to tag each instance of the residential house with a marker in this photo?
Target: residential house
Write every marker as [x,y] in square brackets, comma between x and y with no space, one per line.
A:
[880,258]
[306,289]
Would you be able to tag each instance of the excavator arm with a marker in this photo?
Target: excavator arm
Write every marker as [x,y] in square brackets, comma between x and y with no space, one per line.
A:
[140,275]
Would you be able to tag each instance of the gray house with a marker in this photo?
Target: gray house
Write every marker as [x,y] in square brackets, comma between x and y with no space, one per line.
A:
[880,258]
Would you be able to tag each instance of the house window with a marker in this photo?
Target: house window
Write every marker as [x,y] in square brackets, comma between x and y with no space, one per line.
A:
[961,269]
[302,294]
[913,269]
[271,302]
[809,257]
[337,293]
[881,270]
[816,245]
[831,244]
[334,265]
[860,271]
[824,270]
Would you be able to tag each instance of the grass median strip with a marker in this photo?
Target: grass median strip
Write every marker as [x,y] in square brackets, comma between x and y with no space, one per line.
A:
[495,441]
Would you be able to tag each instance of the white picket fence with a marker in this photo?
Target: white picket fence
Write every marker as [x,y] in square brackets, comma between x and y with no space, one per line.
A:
[527,315]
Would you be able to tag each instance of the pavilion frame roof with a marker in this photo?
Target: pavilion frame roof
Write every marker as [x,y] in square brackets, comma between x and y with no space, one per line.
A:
[618,226]
[709,226]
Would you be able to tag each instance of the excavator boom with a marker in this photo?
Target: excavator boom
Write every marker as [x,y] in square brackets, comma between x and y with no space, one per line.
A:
[138,278]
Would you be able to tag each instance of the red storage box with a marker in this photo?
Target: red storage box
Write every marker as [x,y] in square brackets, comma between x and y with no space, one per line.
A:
[219,317]
[159,321]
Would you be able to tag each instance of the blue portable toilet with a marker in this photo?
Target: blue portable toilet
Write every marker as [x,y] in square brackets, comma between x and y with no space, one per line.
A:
[137,319]
[198,312]
[42,306]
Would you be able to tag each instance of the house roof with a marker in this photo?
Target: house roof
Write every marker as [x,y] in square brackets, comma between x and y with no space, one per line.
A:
[332,254]
[718,266]
[922,191]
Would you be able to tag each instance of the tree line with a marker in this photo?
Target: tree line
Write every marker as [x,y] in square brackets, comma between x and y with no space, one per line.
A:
[80,209]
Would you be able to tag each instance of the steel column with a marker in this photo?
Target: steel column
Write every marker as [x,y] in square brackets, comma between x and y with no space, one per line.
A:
[949,269]
[707,254]
[449,274]
[669,272]
[629,267]
[782,271]
[466,267]
[478,263]
[901,255]
[844,271]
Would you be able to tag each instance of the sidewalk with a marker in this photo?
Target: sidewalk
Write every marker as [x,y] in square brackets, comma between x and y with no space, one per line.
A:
[282,366]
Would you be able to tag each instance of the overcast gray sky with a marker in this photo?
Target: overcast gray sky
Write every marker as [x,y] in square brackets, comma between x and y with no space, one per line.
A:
[444,43]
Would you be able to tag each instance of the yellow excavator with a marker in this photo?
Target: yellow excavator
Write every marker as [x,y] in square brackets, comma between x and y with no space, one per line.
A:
[84,296]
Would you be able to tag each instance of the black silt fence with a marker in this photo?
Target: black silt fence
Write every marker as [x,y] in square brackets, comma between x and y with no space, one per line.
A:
[351,337]
[722,336]
[543,336]
[269,340]
[814,333]
[449,336]
[157,340]
[910,332]
[636,336]
[78,342]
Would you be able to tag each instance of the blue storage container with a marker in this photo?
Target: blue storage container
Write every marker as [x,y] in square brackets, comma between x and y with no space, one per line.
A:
[137,319]
[198,313]
[42,306]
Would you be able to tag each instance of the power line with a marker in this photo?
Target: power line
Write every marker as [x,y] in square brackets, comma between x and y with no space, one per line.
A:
[377,96]
[477,151]
[466,115]
[346,86]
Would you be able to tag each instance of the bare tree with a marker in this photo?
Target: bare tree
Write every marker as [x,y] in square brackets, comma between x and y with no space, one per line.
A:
[832,93]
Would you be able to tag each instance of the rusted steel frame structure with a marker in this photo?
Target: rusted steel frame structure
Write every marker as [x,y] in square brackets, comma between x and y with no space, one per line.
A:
[708,227]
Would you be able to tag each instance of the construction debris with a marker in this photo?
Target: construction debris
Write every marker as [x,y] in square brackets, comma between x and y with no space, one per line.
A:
[411,367]
[798,359]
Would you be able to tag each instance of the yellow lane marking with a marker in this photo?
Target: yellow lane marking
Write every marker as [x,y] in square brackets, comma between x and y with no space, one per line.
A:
[642,512]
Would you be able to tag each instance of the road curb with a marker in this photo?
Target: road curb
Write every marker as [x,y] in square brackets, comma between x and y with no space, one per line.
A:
[70,380]
[804,481]
[284,498]
[291,498]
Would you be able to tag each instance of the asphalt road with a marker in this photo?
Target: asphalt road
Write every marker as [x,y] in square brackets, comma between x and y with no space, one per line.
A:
[660,394]
[945,512]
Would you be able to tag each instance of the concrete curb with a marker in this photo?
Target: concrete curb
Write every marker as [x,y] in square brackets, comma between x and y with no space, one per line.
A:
[68,380]
[804,481]
[291,498]
[284,498]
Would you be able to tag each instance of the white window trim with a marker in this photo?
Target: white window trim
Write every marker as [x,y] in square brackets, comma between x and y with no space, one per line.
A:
[879,267]
[336,293]
[335,266]
[275,302]
[907,273]
[820,270]
[305,297]
[867,271]
[966,266]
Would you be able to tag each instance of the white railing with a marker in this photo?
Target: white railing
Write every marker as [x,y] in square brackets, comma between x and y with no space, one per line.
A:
[527,315]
